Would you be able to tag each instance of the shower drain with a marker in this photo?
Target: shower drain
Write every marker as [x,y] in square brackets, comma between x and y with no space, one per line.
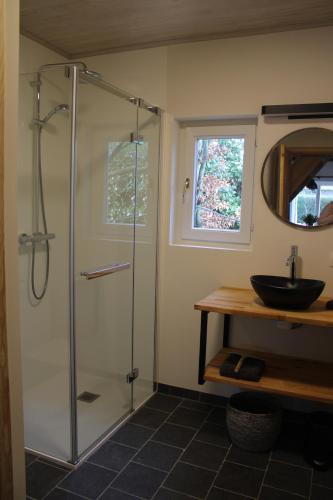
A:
[87,397]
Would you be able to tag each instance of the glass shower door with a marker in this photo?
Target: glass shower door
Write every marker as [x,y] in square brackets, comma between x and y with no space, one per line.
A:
[146,215]
[105,216]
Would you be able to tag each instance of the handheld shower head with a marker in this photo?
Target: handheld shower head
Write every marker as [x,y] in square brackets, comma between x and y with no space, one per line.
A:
[57,109]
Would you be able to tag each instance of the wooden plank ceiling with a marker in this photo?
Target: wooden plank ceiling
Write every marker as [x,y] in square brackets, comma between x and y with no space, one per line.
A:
[77,28]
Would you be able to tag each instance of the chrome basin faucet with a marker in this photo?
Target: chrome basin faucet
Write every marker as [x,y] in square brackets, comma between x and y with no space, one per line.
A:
[291,261]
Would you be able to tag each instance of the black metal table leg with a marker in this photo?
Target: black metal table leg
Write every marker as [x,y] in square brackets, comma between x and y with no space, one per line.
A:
[203,343]
[226,331]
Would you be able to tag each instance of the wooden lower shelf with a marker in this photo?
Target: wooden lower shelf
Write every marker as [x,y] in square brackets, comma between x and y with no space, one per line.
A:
[284,375]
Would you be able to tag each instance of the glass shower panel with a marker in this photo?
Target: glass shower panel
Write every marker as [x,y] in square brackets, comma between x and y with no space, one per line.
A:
[44,325]
[104,237]
[145,253]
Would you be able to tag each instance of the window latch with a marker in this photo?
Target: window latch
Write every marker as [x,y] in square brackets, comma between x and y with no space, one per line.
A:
[186,186]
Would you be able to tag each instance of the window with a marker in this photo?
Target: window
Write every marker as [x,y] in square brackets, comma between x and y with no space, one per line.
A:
[215,182]
[124,189]
[120,183]
[308,205]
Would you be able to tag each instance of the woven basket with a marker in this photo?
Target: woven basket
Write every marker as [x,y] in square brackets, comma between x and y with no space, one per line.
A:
[253,420]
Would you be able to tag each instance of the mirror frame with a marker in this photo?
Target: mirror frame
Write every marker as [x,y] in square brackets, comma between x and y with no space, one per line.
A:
[290,224]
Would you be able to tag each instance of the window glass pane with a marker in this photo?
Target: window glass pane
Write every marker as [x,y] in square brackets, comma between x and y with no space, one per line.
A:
[218,186]
[310,204]
[326,196]
[306,207]
[120,181]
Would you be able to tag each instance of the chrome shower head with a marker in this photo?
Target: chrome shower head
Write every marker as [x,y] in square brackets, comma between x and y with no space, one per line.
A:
[56,109]
[59,107]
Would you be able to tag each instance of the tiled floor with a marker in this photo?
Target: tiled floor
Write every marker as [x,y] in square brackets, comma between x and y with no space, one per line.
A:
[176,448]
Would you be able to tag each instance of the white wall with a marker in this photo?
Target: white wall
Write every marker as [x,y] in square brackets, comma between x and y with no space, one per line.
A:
[222,78]
[143,72]
[236,77]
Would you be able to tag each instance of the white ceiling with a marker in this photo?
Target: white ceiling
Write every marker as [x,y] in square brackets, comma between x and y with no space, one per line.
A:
[77,28]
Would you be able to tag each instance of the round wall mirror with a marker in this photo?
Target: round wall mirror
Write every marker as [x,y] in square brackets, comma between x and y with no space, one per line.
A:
[297,178]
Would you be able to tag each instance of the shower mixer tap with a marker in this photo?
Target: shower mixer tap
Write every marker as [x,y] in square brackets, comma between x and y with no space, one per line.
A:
[24,238]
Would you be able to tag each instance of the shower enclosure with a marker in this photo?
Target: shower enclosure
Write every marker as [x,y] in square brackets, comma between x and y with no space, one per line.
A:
[87,196]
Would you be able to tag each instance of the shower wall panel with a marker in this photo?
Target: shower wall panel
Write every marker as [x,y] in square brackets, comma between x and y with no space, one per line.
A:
[45,323]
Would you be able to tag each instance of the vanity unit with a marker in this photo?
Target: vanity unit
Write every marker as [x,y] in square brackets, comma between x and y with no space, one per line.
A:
[284,375]
[296,182]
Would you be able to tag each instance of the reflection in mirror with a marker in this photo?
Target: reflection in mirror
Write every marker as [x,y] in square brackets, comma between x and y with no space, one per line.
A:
[297,178]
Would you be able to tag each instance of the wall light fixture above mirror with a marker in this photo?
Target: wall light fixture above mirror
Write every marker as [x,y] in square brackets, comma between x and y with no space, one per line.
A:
[297,178]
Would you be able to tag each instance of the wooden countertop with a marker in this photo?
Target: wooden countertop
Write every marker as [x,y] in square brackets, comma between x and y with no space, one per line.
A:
[245,302]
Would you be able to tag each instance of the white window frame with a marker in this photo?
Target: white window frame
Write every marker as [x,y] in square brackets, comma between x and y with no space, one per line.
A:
[185,199]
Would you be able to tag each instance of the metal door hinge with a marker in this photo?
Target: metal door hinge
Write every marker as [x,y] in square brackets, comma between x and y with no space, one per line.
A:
[131,376]
[137,139]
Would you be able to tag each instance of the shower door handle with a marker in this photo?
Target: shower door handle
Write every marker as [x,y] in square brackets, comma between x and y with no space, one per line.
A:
[105,270]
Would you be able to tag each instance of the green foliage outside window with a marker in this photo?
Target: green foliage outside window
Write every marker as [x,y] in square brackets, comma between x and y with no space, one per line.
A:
[125,199]
[218,183]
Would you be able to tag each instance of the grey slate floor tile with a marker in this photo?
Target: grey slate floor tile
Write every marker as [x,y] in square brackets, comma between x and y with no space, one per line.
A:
[324,478]
[240,479]
[42,478]
[112,494]
[196,405]
[218,494]
[321,493]
[190,480]
[251,459]
[174,435]
[186,417]
[178,448]
[214,434]
[132,435]
[165,494]
[30,458]
[268,493]
[163,403]
[149,417]
[290,444]
[288,477]
[88,480]
[158,455]
[217,416]
[204,455]
[139,480]
[59,494]
[112,455]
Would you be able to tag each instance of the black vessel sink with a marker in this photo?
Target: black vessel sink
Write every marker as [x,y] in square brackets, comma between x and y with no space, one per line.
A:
[285,293]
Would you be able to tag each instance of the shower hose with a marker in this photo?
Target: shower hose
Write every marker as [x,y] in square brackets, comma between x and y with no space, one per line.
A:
[40,295]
